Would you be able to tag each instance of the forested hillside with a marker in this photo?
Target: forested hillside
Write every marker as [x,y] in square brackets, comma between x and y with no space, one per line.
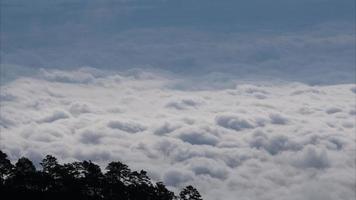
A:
[81,180]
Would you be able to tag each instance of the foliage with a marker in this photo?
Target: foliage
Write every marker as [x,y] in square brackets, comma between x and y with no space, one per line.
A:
[81,180]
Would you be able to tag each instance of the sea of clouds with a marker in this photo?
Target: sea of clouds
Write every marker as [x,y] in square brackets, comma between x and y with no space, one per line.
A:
[242,99]
[259,140]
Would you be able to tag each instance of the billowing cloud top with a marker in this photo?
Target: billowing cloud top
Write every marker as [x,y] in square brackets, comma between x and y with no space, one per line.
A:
[254,141]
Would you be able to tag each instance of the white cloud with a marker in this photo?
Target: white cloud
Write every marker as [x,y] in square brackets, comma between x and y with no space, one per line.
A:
[312,157]
[198,137]
[175,177]
[237,123]
[277,118]
[183,104]
[56,115]
[295,142]
[130,127]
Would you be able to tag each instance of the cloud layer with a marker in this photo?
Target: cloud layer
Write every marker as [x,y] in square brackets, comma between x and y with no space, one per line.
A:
[253,141]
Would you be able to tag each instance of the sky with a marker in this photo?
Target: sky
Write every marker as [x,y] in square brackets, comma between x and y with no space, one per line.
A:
[307,41]
[249,99]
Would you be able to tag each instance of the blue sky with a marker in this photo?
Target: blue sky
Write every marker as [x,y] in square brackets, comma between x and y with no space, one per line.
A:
[277,38]
[226,15]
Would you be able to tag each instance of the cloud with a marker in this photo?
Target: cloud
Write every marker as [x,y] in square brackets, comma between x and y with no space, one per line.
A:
[130,127]
[225,141]
[79,108]
[353,89]
[312,157]
[210,167]
[166,128]
[238,123]
[198,137]
[176,177]
[183,104]
[333,110]
[278,119]
[83,75]
[88,137]
[274,144]
[56,115]
[236,106]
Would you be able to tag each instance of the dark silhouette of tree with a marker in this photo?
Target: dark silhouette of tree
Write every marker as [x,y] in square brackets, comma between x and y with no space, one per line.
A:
[50,166]
[52,173]
[140,186]
[25,181]
[190,193]
[118,172]
[23,174]
[5,167]
[162,193]
[117,177]
[81,180]
[92,180]
[24,166]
